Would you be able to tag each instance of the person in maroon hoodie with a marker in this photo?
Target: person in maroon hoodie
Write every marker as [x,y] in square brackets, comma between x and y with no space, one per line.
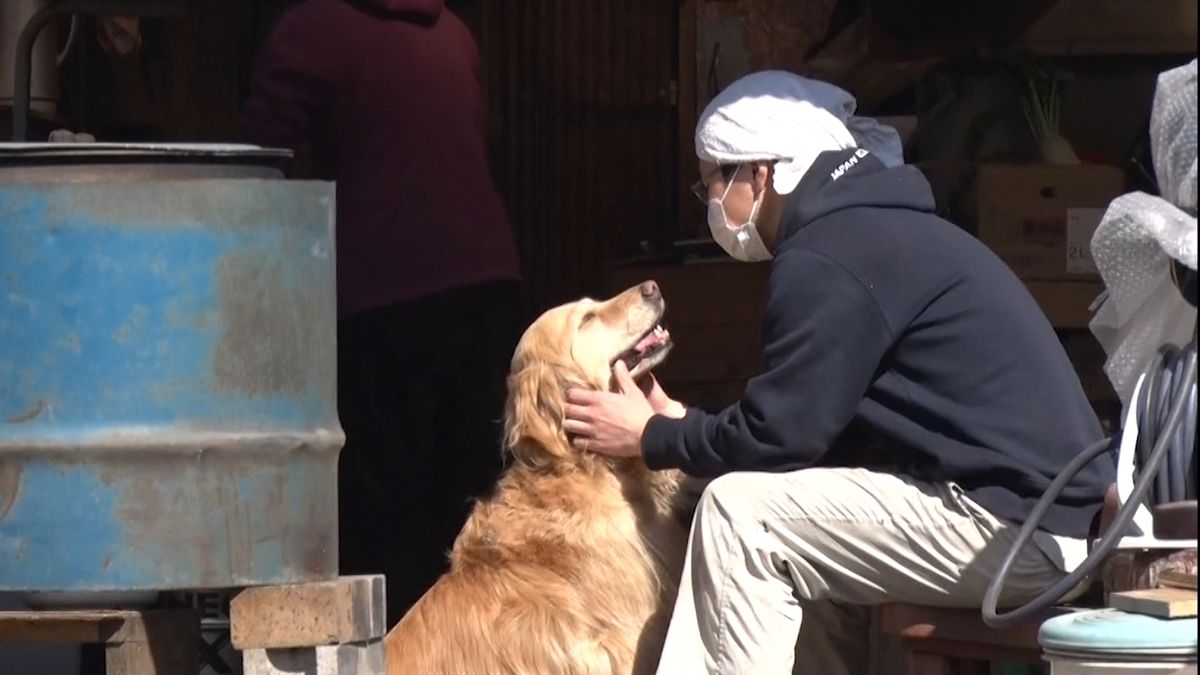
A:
[385,95]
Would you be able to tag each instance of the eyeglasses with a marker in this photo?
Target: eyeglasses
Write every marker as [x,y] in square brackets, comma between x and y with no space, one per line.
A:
[700,188]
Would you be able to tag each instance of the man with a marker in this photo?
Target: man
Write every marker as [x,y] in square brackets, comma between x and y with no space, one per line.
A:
[386,94]
[913,402]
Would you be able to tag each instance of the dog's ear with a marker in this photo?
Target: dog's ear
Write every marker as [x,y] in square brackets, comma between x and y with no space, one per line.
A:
[533,418]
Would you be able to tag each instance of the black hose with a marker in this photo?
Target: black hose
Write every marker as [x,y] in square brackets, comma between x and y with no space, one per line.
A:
[1189,476]
[1146,406]
[1189,444]
[1108,540]
[1155,418]
[1185,443]
[1175,456]
[1164,382]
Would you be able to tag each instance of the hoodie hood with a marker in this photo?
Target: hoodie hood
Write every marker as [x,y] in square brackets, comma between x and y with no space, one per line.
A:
[426,9]
[843,179]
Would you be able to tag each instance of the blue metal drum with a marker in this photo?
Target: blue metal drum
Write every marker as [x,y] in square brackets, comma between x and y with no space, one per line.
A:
[167,370]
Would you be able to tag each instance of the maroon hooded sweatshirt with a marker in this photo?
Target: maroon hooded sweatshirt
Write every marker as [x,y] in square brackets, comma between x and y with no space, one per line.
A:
[387,95]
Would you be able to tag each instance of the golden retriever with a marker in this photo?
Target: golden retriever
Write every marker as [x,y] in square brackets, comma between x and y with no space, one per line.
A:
[571,566]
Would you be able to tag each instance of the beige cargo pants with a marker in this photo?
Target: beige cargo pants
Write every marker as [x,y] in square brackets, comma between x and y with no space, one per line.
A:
[782,568]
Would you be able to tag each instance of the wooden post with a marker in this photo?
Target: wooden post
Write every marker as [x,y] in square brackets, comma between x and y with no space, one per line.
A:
[152,642]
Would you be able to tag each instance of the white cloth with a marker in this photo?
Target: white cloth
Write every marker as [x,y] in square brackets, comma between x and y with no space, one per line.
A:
[781,116]
[776,560]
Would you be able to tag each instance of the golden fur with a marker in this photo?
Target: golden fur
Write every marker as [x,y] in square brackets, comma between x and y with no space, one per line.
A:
[570,567]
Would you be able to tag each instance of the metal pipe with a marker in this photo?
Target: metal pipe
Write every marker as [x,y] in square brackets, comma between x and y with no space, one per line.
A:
[14,14]
[23,61]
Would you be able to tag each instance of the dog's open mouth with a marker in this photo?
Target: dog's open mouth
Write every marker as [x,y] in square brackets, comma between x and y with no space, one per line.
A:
[647,352]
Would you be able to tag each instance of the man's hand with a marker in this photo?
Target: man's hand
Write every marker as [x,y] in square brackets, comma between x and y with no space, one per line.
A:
[611,423]
[659,401]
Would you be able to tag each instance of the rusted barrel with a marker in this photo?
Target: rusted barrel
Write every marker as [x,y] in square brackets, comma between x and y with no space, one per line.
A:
[167,370]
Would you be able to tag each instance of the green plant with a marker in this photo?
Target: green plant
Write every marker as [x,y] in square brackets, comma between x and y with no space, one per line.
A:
[1040,91]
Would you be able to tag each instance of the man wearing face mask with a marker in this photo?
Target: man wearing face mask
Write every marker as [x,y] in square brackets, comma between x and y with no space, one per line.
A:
[913,402]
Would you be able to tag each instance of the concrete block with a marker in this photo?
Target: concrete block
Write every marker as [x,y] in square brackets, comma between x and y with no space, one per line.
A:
[339,611]
[361,658]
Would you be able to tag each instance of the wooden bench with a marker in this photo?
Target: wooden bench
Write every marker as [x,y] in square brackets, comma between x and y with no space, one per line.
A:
[156,642]
[939,641]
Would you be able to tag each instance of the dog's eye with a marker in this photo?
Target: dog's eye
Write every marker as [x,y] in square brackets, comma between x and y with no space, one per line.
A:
[586,318]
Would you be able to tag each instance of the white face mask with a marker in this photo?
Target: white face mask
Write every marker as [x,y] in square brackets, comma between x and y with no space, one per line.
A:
[741,243]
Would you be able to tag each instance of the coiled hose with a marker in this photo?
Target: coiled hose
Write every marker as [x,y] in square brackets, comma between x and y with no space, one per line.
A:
[1166,409]
[1165,382]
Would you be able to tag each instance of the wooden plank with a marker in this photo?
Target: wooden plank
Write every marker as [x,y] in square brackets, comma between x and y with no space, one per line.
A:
[154,642]
[1177,580]
[978,666]
[79,627]
[173,656]
[1096,27]
[1165,603]
[706,353]
[962,658]
[920,663]
[914,623]
[736,292]
[718,292]
[690,218]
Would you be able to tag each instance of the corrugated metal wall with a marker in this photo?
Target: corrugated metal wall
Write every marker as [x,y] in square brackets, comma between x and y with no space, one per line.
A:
[583,101]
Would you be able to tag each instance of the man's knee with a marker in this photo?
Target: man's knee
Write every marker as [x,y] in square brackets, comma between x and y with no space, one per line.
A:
[732,496]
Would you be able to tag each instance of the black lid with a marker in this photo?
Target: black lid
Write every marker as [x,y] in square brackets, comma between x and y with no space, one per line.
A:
[26,154]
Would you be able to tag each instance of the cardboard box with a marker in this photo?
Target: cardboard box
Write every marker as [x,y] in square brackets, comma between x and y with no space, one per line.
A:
[1040,219]
[1119,27]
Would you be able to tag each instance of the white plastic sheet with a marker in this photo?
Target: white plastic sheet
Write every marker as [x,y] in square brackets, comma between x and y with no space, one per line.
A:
[1139,236]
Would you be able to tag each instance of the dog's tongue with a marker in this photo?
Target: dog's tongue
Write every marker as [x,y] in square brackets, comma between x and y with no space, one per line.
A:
[657,337]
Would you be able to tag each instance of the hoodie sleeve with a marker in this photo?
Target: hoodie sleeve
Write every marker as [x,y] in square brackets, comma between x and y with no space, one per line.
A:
[290,83]
[824,337]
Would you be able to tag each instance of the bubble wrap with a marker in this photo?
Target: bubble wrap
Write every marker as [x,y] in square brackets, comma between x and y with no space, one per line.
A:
[1173,139]
[1140,234]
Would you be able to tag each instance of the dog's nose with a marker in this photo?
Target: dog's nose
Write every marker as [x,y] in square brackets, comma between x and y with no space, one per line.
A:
[649,290]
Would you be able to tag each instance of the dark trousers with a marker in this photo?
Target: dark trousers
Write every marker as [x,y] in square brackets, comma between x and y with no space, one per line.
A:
[421,389]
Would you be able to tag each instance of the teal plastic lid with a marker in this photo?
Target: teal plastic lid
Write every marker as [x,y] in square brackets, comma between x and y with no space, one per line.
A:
[1112,632]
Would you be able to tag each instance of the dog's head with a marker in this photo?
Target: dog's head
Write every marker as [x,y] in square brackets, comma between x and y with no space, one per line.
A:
[576,345]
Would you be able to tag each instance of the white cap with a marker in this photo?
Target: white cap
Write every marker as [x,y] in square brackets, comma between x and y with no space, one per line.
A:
[781,116]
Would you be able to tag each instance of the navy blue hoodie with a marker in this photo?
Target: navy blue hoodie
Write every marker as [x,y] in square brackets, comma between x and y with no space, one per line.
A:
[888,326]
